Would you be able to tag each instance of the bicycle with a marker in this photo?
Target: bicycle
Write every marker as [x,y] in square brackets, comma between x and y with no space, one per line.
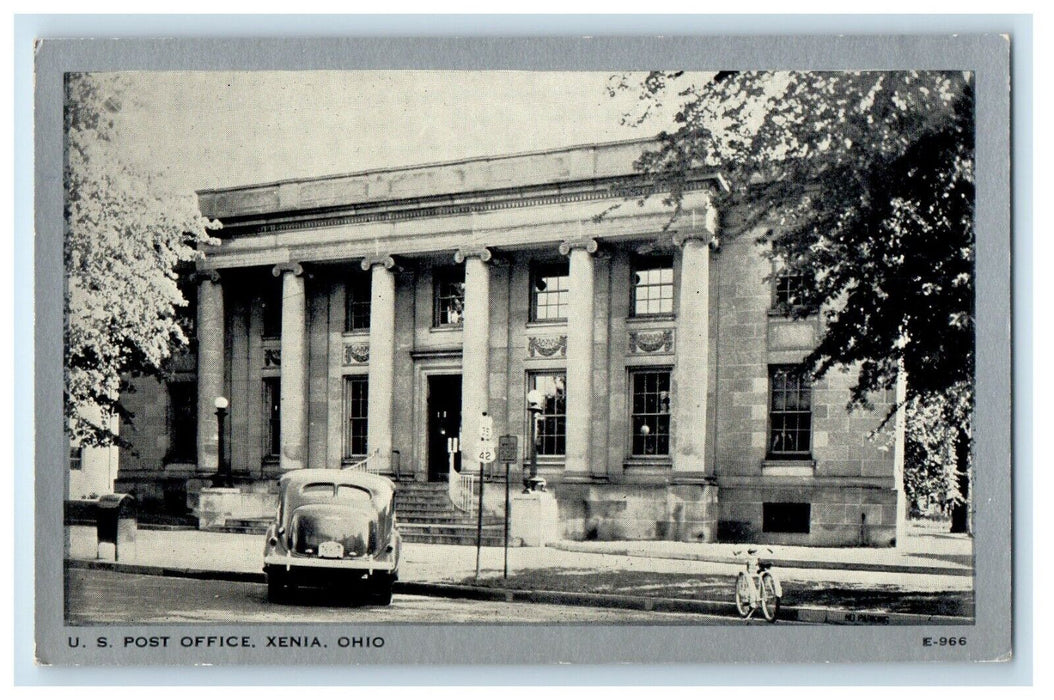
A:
[757,587]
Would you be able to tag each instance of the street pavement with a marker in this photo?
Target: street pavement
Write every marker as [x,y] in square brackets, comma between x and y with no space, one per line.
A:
[107,597]
[931,562]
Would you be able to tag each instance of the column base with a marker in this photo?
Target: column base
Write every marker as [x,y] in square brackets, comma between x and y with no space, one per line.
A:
[533,519]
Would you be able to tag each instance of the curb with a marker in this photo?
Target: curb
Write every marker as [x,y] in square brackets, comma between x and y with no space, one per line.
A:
[789,613]
[777,562]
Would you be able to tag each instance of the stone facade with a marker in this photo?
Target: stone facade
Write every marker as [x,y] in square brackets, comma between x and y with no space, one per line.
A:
[659,426]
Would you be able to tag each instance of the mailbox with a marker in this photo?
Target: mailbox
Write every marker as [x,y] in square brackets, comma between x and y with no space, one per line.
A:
[115,522]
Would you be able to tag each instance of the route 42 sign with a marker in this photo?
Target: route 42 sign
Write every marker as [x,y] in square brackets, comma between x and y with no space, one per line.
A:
[486,439]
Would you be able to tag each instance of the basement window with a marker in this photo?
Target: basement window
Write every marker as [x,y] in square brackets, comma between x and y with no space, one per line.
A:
[786,517]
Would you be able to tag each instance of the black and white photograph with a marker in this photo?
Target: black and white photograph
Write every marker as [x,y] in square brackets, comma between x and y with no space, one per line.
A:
[674,349]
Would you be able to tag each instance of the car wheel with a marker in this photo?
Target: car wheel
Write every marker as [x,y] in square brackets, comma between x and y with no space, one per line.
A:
[380,590]
[277,588]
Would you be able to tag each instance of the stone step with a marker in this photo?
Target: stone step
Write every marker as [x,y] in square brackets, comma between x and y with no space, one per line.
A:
[441,520]
[452,534]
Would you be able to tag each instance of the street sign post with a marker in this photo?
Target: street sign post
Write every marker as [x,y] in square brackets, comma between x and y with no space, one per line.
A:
[486,455]
[507,452]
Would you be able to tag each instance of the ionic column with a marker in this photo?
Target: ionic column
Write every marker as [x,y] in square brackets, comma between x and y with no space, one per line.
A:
[210,366]
[579,358]
[293,406]
[382,361]
[691,375]
[475,357]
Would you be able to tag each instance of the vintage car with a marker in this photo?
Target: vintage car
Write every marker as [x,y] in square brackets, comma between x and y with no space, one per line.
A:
[333,528]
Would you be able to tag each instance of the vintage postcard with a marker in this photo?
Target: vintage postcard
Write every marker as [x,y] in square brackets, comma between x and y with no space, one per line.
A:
[361,362]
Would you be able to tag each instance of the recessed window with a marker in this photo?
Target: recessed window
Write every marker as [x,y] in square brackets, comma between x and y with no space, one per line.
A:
[787,295]
[650,419]
[785,517]
[652,289]
[272,411]
[182,421]
[790,413]
[358,292]
[549,292]
[272,308]
[356,405]
[449,294]
[76,458]
[551,426]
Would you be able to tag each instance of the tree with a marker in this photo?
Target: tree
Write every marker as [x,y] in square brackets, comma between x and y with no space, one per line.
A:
[125,237]
[864,182]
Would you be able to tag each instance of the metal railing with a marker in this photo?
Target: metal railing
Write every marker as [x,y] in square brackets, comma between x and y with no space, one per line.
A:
[366,465]
[462,488]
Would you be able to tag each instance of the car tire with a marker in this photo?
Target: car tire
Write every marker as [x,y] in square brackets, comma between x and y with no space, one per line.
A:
[277,588]
[380,590]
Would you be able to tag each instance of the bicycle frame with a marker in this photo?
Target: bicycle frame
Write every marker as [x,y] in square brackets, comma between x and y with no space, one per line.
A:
[755,570]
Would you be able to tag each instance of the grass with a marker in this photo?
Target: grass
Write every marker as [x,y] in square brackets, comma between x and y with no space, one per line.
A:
[875,598]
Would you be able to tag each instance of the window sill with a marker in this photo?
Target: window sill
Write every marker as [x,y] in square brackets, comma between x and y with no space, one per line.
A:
[791,315]
[361,333]
[445,329]
[788,467]
[651,318]
[548,323]
[648,461]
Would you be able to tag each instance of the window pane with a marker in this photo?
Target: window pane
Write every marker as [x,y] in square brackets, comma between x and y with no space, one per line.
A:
[549,292]
[650,418]
[358,295]
[551,425]
[652,291]
[449,293]
[356,407]
[790,413]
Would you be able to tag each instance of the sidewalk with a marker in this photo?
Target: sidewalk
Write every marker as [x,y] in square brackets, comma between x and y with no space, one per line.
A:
[579,572]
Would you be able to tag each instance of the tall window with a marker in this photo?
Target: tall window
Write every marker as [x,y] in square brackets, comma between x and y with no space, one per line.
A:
[272,416]
[357,295]
[356,401]
[272,308]
[790,413]
[651,412]
[449,294]
[549,291]
[551,435]
[652,286]
[182,421]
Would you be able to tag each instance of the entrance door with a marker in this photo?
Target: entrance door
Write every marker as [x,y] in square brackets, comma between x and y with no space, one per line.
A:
[444,422]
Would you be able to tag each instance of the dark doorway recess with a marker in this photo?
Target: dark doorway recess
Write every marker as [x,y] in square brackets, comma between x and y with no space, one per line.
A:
[444,422]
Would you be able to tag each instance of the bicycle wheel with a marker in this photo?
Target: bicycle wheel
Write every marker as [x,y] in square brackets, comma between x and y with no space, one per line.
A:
[743,590]
[770,602]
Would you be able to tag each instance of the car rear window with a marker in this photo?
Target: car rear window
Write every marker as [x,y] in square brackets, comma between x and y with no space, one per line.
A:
[353,493]
[317,489]
[345,493]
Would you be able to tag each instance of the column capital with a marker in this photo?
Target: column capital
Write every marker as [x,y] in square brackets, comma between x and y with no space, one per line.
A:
[704,225]
[482,252]
[294,267]
[386,260]
[588,244]
[199,276]
[681,238]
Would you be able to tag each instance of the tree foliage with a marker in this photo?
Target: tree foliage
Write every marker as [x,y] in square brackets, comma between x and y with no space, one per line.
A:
[864,185]
[125,237]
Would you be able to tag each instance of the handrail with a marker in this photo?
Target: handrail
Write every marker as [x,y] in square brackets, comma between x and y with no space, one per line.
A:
[461,488]
[364,465]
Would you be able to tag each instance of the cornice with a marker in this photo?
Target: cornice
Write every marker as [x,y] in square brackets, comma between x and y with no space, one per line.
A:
[447,205]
